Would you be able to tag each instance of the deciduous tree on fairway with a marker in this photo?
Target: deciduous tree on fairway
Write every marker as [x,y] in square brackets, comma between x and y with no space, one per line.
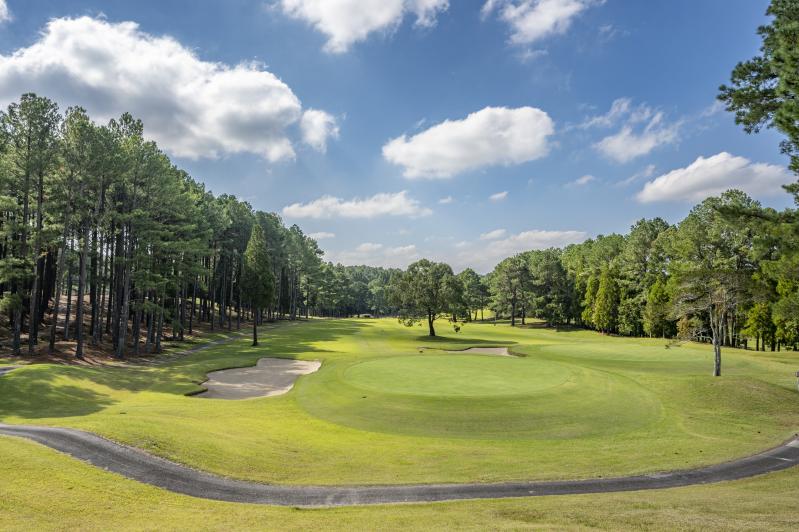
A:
[423,292]
[712,267]
[258,282]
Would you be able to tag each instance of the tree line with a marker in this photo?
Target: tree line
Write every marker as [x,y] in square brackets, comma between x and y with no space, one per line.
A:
[103,240]
[726,274]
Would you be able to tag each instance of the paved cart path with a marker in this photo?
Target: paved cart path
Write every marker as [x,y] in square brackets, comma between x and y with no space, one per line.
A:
[139,465]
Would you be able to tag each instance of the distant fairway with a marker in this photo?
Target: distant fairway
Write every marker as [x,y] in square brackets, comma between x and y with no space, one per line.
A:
[382,409]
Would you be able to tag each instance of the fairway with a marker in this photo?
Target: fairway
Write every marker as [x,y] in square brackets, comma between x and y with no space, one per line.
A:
[574,404]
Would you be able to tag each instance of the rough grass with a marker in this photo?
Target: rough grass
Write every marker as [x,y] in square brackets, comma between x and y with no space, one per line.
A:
[595,406]
[44,490]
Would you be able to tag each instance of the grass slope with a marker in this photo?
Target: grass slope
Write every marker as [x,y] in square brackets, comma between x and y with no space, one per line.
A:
[579,405]
[44,490]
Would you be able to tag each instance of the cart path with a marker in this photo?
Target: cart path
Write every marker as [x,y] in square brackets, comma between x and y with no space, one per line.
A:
[138,465]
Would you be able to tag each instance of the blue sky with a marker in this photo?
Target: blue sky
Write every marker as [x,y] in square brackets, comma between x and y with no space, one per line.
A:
[390,124]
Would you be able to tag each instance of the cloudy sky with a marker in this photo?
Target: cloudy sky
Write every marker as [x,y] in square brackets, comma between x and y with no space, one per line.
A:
[462,131]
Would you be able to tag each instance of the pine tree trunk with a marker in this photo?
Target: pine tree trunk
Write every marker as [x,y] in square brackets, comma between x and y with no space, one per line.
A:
[193,305]
[255,329]
[81,291]
[62,251]
[69,302]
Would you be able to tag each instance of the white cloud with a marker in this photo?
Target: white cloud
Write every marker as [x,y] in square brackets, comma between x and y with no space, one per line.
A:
[383,204]
[713,175]
[582,181]
[499,196]
[643,129]
[346,22]
[493,235]
[372,254]
[489,137]
[5,14]
[191,107]
[713,109]
[317,126]
[646,173]
[446,200]
[534,20]
[322,235]
[483,256]
[618,109]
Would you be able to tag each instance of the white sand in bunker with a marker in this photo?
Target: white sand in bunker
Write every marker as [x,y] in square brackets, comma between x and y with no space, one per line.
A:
[496,351]
[270,377]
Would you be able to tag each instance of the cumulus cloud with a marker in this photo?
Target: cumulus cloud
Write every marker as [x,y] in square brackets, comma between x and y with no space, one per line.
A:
[713,175]
[5,14]
[489,137]
[383,204]
[493,235]
[191,107]
[322,235]
[483,256]
[499,196]
[371,254]
[534,20]
[346,22]
[318,126]
[642,130]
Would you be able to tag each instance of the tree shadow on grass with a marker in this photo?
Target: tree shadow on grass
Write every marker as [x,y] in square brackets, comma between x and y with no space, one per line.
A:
[35,391]
[33,394]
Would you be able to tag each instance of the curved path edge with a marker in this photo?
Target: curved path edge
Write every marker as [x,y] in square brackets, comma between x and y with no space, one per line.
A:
[138,465]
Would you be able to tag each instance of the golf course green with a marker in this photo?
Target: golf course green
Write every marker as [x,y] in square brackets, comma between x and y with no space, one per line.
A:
[390,405]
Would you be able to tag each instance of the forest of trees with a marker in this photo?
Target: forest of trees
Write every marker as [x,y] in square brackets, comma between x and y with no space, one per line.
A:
[103,240]
[100,213]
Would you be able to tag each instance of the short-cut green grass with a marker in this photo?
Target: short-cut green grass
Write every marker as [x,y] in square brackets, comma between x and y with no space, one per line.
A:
[45,490]
[577,404]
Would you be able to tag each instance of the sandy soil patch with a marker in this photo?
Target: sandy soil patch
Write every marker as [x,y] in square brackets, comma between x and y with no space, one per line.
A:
[270,377]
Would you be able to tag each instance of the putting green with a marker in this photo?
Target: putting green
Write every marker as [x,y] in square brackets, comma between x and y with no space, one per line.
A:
[477,397]
[456,375]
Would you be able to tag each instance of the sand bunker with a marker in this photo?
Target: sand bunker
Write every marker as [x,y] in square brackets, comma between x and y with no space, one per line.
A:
[271,376]
[496,351]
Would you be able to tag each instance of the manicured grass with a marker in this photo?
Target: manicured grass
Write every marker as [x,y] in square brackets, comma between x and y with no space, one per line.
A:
[578,404]
[44,490]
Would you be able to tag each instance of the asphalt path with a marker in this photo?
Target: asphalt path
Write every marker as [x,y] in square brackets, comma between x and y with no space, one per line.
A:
[139,465]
